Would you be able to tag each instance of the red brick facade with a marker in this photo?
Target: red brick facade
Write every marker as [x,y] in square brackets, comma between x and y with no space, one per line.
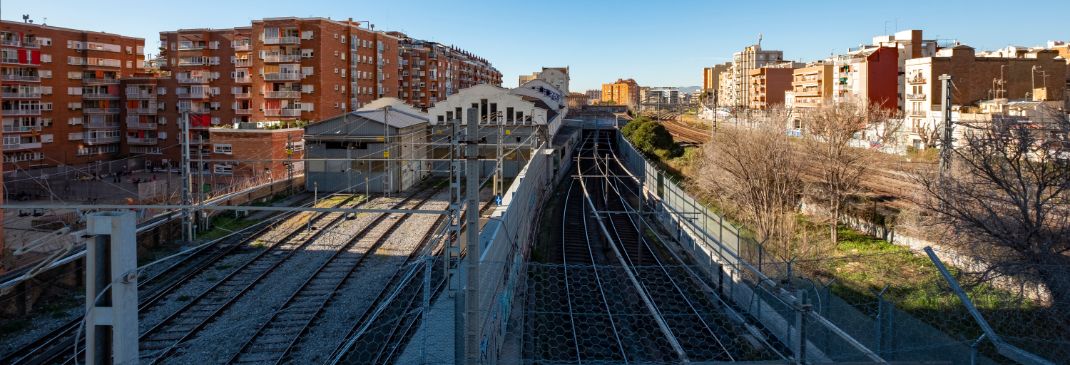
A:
[61,93]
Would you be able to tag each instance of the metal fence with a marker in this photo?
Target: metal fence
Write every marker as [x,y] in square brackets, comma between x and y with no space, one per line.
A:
[893,326]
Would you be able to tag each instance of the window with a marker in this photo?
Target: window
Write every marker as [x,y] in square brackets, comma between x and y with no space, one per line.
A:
[224,148]
[223,169]
[46,58]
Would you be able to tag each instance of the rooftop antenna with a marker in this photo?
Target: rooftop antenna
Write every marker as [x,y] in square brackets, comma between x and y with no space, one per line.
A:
[26,18]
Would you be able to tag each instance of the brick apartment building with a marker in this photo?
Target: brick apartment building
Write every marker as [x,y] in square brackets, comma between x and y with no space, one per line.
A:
[768,85]
[622,92]
[61,93]
[298,69]
[74,97]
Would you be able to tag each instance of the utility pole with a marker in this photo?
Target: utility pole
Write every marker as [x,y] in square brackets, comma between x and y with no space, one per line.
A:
[289,165]
[467,325]
[946,140]
[453,251]
[202,220]
[499,185]
[187,180]
[389,172]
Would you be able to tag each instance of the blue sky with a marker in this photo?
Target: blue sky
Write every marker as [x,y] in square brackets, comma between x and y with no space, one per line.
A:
[655,42]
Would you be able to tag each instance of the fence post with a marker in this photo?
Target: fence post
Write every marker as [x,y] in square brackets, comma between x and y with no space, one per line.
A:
[802,310]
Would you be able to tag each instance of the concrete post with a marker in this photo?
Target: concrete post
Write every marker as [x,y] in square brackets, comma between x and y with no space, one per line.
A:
[472,250]
[111,311]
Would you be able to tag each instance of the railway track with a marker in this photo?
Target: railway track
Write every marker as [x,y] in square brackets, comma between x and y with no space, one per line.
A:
[605,309]
[275,339]
[57,344]
[161,339]
[685,133]
[387,333]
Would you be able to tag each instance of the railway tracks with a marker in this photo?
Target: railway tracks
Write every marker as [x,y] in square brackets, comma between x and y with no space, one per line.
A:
[57,345]
[629,302]
[274,339]
[162,338]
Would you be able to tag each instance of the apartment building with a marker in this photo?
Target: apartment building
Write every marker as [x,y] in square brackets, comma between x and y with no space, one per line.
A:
[737,92]
[768,85]
[1038,75]
[61,100]
[431,71]
[811,86]
[711,78]
[622,92]
[289,70]
[593,96]
[556,76]
[869,75]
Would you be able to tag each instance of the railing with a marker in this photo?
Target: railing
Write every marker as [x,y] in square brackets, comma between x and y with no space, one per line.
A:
[21,146]
[25,78]
[195,95]
[917,79]
[281,40]
[282,112]
[151,109]
[915,96]
[10,42]
[282,94]
[243,79]
[21,128]
[917,113]
[192,79]
[190,47]
[99,96]
[282,76]
[20,112]
[142,141]
[242,47]
[21,94]
[101,140]
[15,61]
[282,58]
[140,95]
[244,62]
[102,125]
[243,111]
[100,81]
[141,125]
[101,110]
[242,95]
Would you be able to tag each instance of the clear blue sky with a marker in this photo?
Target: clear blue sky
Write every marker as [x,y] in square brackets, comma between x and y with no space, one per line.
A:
[660,43]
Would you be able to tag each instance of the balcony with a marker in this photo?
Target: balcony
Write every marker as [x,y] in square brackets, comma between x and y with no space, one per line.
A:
[100,81]
[101,110]
[21,146]
[203,94]
[243,111]
[242,95]
[192,79]
[276,58]
[190,47]
[281,40]
[15,42]
[282,112]
[243,62]
[282,94]
[152,141]
[917,79]
[915,96]
[21,94]
[21,78]
[150,109]
[243,79]
[22,128]
[282,76]
[101,125]
[140,95]
[20,112]
[917,113]
[141,125]
[242,47]
[100,140]
[99,96]
[15,61]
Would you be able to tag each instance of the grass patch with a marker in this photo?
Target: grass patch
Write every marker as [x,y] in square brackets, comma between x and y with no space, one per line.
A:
[223,225]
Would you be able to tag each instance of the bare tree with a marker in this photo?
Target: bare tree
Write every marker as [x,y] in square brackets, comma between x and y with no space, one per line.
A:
[748,169]
[1005,199]
[833,139]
